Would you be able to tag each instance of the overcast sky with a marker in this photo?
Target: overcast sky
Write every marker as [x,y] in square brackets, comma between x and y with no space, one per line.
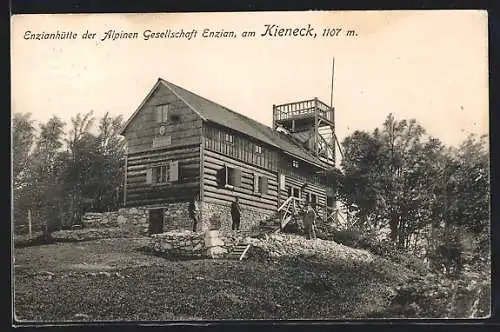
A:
[431,66]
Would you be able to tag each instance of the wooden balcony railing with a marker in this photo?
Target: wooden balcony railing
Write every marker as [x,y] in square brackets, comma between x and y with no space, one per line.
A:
[301,108]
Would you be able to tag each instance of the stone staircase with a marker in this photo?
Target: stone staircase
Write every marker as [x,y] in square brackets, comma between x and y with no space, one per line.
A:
[239,252]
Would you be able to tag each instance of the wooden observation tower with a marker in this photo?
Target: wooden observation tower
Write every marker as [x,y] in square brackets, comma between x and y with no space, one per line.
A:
[311,123]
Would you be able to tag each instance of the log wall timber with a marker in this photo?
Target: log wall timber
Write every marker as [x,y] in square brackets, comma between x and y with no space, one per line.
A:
[215,192]
[296,177]
[240,147]
[182,125]
[141,193]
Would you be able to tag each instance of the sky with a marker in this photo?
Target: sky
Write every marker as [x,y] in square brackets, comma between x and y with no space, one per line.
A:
[427,65]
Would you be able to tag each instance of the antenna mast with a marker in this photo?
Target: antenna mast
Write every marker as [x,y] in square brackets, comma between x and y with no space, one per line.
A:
[331,106]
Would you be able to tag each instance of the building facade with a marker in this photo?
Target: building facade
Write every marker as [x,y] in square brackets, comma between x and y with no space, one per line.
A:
[181,146]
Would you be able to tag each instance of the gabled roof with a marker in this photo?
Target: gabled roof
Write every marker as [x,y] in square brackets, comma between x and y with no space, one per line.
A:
[213,112]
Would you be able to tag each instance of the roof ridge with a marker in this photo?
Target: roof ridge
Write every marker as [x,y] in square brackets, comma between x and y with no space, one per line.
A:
[216,103]
[270,133]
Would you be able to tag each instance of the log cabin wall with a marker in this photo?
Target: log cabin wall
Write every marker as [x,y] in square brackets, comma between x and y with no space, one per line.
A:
[296,173]
[163,160]
[182,125]
[238,166]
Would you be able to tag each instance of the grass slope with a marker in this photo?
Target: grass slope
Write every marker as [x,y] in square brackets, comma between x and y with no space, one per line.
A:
[110,279]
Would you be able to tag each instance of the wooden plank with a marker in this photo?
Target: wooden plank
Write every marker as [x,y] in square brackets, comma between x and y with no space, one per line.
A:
[164,152]
[184,163]
[246,181]
[244,252]
[230,194]
[202,163]
[143,127]
[218,199]
[212,183]
[219,159]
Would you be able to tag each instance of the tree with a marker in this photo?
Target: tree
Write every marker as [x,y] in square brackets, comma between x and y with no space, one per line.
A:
[388,176]
[23,138]
[112,156]
[44,184]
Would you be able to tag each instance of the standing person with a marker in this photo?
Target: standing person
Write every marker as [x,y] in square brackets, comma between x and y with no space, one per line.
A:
[310,222]
[194,211]
[236,214]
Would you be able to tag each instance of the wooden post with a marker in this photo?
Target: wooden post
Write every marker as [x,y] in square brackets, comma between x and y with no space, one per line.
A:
[125,180]
[316,129]
[29,223]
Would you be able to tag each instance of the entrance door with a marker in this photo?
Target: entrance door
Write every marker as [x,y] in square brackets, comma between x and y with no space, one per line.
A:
[155,221]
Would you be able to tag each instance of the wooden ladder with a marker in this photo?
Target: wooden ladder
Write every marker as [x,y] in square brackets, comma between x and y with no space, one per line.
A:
[238,252]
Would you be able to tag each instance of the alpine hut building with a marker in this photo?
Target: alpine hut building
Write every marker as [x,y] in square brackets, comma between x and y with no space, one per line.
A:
[181,145]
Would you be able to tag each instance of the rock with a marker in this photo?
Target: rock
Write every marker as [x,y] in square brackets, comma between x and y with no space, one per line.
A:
[216,252]
[121,220]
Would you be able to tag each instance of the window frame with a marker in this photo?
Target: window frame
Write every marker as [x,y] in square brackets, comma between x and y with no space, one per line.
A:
[165,174]
[164,110]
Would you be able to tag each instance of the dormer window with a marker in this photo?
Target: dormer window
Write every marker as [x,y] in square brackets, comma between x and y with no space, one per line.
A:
[258,149]
[295,163]
[162,113]
[228,138]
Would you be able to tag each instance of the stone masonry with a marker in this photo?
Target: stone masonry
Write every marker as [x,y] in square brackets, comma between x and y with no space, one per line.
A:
[218,216]
[132,219]
[136,220]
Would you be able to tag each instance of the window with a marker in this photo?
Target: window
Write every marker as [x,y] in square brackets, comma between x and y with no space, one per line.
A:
[259,184]
[313,198]
[163,174]
[294,191]
[230,177]
[162,113]
[330,201]
[160,174]
[228,138]
[295,163]
[258,149]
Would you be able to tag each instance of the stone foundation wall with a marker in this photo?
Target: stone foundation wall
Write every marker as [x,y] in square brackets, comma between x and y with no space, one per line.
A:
[218,216]
[133,219]
[185,243]
[176,217]
[192,244]
[136,219]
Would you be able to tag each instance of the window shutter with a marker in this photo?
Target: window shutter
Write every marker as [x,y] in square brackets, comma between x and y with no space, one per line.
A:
[165,112]
[263,185]
[173,171]
[282,181]
[149,176]
[255,183]
[158,113]
[221,176]
[237,177]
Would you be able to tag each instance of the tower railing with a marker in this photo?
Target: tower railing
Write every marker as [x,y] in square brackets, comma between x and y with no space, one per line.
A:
[301,108]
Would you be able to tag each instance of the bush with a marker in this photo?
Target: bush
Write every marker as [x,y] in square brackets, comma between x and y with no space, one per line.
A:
[348,237]
[35,241]
[367,240]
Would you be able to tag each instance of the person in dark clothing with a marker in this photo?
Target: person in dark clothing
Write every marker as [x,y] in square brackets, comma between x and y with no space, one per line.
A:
[194,211]
[236,214]
[309,221]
